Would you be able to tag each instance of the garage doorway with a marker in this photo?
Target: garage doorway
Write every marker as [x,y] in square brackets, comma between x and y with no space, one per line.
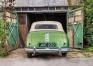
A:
[61,17]
[26,20]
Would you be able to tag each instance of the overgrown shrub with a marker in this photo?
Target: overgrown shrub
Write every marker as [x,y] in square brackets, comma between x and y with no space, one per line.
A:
[88,22]
[2,50]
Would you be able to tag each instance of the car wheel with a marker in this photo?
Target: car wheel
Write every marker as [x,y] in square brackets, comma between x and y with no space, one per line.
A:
[64,54]
[29,55]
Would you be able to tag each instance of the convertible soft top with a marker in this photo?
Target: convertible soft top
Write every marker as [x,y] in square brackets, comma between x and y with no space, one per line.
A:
[47,22]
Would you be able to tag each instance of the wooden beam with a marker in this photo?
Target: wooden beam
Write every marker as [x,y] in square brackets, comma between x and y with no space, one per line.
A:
[69,2]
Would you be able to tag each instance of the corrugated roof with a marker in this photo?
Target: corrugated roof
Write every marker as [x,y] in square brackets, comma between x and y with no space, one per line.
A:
[40,3]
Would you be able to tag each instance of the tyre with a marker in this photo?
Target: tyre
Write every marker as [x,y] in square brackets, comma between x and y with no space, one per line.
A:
[29,55]
[64,54]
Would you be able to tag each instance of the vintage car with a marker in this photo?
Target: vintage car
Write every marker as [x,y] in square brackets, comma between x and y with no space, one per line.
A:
[46,37]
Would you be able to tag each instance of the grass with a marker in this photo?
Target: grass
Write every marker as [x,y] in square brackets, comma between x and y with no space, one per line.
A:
[89,49]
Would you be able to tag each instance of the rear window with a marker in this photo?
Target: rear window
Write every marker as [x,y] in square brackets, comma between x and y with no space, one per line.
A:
[46,26]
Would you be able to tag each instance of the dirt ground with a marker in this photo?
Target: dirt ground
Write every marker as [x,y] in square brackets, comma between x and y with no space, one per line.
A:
[20,53]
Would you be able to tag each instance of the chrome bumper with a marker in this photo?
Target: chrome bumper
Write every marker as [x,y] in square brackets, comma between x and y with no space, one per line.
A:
[46,50]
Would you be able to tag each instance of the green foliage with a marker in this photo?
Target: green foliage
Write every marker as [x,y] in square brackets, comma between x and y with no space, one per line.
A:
[89,49]
[1,30]
[88,21]
[2,50]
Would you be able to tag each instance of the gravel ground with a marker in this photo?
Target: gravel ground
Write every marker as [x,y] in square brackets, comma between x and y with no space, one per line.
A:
[46,61]
[18,58]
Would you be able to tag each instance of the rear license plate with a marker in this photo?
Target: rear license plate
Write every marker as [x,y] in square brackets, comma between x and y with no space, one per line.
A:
[49,45]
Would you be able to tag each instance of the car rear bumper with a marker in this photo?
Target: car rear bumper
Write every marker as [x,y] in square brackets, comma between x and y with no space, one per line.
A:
[62,50]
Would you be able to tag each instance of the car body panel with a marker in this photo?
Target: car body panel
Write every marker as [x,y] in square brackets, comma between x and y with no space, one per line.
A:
[57,37]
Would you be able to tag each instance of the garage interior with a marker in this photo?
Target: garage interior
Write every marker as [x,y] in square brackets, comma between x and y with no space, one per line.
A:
[61,17]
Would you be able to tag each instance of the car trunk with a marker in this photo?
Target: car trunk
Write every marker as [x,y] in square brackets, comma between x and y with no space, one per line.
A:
[46,36]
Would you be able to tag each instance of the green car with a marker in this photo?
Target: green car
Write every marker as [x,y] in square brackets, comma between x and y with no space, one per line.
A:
[46,37]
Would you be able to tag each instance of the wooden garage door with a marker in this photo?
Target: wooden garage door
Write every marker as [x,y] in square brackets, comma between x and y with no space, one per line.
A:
[75,27]
[12,30]
[22,29]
